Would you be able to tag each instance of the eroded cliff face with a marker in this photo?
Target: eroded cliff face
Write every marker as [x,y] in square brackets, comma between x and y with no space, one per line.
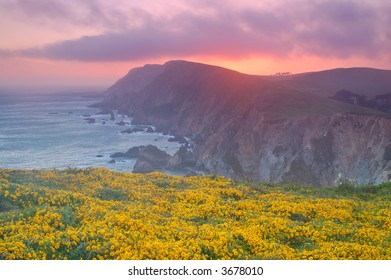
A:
[311,151]
[248,127]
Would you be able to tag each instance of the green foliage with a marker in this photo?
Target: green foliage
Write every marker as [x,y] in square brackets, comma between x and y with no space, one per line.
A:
[110,194]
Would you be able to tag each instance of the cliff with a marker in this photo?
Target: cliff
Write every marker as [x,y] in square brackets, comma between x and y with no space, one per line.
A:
[257,127]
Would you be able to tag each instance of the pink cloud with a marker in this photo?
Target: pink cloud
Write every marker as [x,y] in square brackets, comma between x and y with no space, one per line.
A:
[323,28]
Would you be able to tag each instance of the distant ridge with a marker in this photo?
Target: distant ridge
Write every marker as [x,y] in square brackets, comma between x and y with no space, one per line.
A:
[207,82]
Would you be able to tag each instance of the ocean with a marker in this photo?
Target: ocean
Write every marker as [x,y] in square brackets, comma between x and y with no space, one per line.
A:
[57,131]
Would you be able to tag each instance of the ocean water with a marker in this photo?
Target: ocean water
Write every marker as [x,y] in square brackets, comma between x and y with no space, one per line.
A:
[53,131]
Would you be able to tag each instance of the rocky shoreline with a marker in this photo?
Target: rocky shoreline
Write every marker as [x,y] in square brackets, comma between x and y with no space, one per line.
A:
[150,158]
[257,128]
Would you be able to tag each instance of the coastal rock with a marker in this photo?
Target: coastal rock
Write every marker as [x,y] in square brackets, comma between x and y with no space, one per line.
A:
[117,155]
[143,167]
[182,159]
[179,139]
[134,152]
[151,158]
[90,120]
[261,128]
[310,151]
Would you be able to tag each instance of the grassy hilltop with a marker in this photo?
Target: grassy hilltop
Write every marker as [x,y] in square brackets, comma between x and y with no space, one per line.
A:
[100,214]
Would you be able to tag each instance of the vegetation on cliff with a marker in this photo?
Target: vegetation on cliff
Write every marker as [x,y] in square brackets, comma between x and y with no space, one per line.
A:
[100,214]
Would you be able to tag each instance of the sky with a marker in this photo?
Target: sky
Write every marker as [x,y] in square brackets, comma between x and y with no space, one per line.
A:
[92,43]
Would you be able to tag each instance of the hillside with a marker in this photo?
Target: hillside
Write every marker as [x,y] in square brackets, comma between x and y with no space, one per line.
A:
[101,214]
[262,128]
[363,81]
[201,93]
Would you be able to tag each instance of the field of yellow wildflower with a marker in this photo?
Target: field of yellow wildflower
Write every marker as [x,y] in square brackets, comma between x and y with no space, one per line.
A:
[100,214]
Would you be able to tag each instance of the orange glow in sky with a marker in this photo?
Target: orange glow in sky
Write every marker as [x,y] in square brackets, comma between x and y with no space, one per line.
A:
[93,43]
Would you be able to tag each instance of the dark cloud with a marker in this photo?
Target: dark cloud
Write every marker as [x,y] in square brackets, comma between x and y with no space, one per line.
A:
[151,41]
[60,14]
[341,29]
[36,8]
[37,11]
[338,29]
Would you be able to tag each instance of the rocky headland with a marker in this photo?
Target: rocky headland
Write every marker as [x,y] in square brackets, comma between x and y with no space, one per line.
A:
[260,128]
